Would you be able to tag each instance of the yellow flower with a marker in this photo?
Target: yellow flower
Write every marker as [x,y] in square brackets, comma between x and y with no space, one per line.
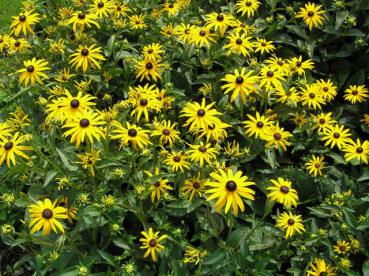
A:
[149,70]
[311,96]
[177,160]
[89,159]
[240,83]
[159,186]
[248,7]
[108,200]
[4,40]
[70,211]
[238,44]
[134,135]
[214,131]
[219,21]
[323,121]
[151,242]
[64,76]
[80,20]
[86,57]
[171,9]
[184,32]
[290,223]
[143,100]
[315,165]
[288,96]
[256,126]
[137,21]
[45,215]
[33,71]
[57,46]
[121,9]
[200,116]
[194,186]
[356,93]
[327,89]
[312,15]
[355,244]
[297,65]
[229,188]
[202,153]
[193,255]
[102,8]
[320,267]
[282,192]
[11,147]
[261,45]
[356,150]
[18,45]
[86,124]
[23,22]
[153,52]
[342,247]
[165,129]
[202,36]
[270,78]
[276,137]
[336,136]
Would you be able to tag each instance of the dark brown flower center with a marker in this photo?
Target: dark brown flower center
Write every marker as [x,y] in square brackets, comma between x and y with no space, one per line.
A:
[166,132]
[231,185]
[277,136]
[119,8]
[243,25]
[259,124]
[270,74]
[176,158]
[132,132]
[22,18]
[322,121]
[84,123]
[355,92]
[201,112]
[220,17]
[263,44]
[171,6]
[150,51]
[359,150]
[284,189]
[187,31]
[239,41]
[196,185]
[81,16]
[336,135]
[342,248]
[325,89]
[211,127]
[17,44]
[74,103]
[47,214]
[1,40]
[157,184]
[100,4]
[298,64]
[310,13]
[8,146]
[280,63]
[202,149]
[149,65]
[143,102]
[153,242]
[248,3]
[311,95]
[89,161]
[317,165]
[30,68]
[84,52]
[202,33]
[291,222]
[239,80]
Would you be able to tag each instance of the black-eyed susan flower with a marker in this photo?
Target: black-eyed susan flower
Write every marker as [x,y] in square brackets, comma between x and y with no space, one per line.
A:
[219,21]
[167,30]
[153,52]
[358,150]
[327,89]
[144,99]
[241,27]
[356,93]
[238,44]
[4,40]
[71,212]
[215,131]
[86,57]
[256,126]
[277,137]
[312,15]
[149,70]
[323,121]
[203,36]
[132,134]
[33,71]
[120,9]
[270,78]
[336,136]
[84,125]
[297,65]
[80,20]
[248,7]
[177,160]
[202,153]
[200,116]
[102,8]
[5,130]
[320,267]
[290,223]
[194,186]
[342,247]
[315,165]
[311,96]
[262,45]
[46,215]
[64,76]
[11,146]
[289,96]
[88,160]
[240,84]
[167,132]
[70,105]
[137,21]
[151,243]
[171,9]
[23,22]
[184,32]
[278,64]
[193,255]
[282,192]
[229,188]
[18,45]
[159,186]
[299,118]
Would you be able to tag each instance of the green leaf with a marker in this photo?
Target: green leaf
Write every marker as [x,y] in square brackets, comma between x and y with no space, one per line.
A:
[217,256]
[66,161]
[107,257]
[50,176]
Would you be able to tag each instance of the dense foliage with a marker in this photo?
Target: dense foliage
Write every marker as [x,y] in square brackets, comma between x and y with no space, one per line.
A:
[203,137]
